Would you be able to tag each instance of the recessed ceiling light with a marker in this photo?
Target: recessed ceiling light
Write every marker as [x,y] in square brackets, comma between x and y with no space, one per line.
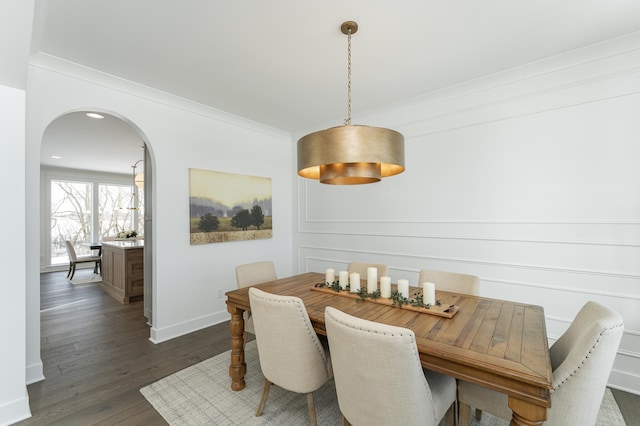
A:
[94,115]
[56,157]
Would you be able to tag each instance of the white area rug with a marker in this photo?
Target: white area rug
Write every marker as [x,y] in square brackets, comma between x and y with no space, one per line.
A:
[85,276]
[201,395]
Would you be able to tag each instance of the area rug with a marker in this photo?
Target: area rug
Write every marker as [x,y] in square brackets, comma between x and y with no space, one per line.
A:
[201,395]
[85,276]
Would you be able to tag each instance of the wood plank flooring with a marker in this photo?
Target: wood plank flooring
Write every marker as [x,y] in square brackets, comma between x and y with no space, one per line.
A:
[97,355]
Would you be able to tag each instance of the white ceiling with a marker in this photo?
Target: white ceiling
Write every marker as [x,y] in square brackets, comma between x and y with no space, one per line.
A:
[108,144]
[283,62]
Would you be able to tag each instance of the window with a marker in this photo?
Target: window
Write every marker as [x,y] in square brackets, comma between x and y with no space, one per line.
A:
[116,210]
[83,211]
[70,218]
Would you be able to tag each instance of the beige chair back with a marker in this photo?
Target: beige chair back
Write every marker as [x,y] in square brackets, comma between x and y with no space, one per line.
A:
[252,274]
[451,281]
[378,375]
[581,360]
[291,355]
[361,268]
[71,251]
[255,273]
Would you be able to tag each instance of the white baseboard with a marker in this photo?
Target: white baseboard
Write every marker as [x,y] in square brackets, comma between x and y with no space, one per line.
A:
[162,334]
[15,411]
[624,381]
[34,373]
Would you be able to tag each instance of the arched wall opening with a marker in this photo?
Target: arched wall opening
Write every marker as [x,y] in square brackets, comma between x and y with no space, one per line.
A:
[86,149]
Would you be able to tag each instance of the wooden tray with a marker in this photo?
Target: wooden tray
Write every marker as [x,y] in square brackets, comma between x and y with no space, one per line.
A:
[445,311]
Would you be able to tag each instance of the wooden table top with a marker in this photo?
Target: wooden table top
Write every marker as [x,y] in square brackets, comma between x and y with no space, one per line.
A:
[497,344]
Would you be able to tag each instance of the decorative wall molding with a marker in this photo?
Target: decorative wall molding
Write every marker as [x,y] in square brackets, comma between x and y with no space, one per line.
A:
[568,104]
[593,64]
[476,222]
[522,177]
[476,238]
[565,288]
[381,254]
[629,354]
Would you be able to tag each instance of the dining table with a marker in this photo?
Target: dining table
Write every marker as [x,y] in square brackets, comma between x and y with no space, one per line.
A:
[497,344]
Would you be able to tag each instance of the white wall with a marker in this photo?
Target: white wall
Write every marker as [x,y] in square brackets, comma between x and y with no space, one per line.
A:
[180,135]
[15,36]
[14,403]
[528,178]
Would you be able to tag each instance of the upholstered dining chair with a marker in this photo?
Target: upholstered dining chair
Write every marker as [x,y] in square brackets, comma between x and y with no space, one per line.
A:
[451,281]
[581,360]
[361,268]
[75,260]
[251,274]
[378,376]
[291,355]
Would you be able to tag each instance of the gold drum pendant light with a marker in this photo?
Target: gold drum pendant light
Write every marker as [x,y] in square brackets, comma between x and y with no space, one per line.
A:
[351,154]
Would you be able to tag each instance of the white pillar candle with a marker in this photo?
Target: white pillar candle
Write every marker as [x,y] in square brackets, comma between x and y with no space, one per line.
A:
[344,279]
[372,279]
[385,287]
[354,282]
[330,275]
[429,293]
[403,287]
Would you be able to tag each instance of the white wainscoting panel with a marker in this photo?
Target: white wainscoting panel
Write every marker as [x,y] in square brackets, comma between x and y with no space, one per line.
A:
[528,179]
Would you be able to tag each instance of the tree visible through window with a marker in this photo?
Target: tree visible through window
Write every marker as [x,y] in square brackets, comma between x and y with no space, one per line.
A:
[70,217]
[116,210]
[75,218]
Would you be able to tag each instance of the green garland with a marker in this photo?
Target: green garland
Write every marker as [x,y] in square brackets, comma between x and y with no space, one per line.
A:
[335,286]
[363,294]
[397,298]
[418,302]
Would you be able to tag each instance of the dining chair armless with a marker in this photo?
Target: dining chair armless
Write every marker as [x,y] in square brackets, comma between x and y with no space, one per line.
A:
[252,274]
[75,260]
[378,376]
[291,355]
[361,268]
[581,360]
[451,281]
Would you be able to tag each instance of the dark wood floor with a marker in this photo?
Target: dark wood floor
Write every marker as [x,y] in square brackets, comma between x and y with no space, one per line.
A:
[97,355]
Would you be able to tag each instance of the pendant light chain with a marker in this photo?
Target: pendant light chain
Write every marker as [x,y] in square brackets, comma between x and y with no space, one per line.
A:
[348,120]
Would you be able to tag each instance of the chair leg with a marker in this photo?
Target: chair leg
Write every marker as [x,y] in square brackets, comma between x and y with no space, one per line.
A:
[73,270]
[464,411]
[312,409]
[69,272]
[263,400]
[450,415]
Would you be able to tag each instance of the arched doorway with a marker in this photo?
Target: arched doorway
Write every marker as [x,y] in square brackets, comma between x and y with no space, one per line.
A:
[112,156]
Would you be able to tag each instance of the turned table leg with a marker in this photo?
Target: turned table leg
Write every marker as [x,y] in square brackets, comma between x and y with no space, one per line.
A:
[525,413]
[238,367]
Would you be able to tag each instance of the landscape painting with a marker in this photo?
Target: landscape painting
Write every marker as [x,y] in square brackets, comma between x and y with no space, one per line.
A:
[227,207]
